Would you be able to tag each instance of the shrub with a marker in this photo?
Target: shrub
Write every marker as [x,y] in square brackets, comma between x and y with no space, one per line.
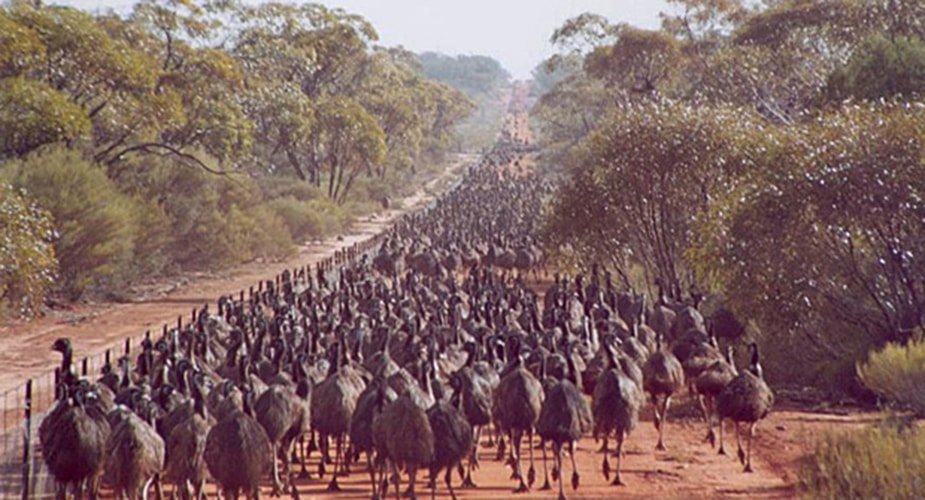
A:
[211,222]
[897,372]
[313,219]
[27,256]
[95,222]
[879,462]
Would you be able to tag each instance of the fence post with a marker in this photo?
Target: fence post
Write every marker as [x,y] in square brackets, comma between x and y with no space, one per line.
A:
[27,441]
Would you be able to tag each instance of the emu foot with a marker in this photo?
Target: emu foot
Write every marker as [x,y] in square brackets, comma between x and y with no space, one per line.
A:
[660,446]
[500,455]
[467,482]
[546,486]
[722,451]
[617,481]
[333,486]
[748,468]
[522,488]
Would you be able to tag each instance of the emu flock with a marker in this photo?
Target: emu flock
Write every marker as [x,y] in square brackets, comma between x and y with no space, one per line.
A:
[411,357]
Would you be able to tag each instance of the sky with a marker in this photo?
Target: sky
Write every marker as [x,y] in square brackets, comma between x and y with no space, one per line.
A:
[515,32]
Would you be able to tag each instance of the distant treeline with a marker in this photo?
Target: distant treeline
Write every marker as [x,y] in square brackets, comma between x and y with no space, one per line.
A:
[198,135]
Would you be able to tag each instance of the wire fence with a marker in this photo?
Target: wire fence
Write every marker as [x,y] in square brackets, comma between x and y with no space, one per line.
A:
[22,471]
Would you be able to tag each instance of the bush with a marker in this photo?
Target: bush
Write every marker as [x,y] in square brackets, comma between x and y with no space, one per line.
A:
[96,224]
[313,219]
[27,256]
[212,222]
[880,462]
[897,372]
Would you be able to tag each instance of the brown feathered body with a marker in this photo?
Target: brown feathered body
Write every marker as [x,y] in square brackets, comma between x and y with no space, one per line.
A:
[517,400]
[564,415]
[186,448]
[134,455]
[408,437]
[615,403]
[73,442]
[238,452]
[662,374]
[452,435]
[333,403]
[747,398]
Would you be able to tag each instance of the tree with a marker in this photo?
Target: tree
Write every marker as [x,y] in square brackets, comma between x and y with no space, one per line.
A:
[95,223]
[644,178]
[33,114]
[881,68]
[823,242]
[349,140]
[27,256]
[640,61]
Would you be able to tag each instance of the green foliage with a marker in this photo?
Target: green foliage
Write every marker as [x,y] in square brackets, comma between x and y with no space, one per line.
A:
[33,114]
[214,221]
[27,256]
[673,159]
[824,240]
[310,220]
[162,112]
[878,462]
[881,68]
[897,372]
[94,221]
[640,61]
[724,151]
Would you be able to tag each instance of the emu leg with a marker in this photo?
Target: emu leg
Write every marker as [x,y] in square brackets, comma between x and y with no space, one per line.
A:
[515,445]
[449,483]
[303,474]
[501,450]
[333,486]
[659,425]
[277,484]
[741,453]
[531,473]
[751,434]
[605,465]
[371,466]
[557,451]
[546,485]
[412,479]
[722,448]
[575,477]
[322,442]
[708,414]
[617,480]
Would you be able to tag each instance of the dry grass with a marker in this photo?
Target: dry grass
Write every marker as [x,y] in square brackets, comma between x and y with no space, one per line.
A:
[898,373]
[879,462]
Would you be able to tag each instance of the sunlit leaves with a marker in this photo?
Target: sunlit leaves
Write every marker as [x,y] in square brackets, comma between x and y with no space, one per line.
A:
[830,232]
[33,114]
[27,256]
